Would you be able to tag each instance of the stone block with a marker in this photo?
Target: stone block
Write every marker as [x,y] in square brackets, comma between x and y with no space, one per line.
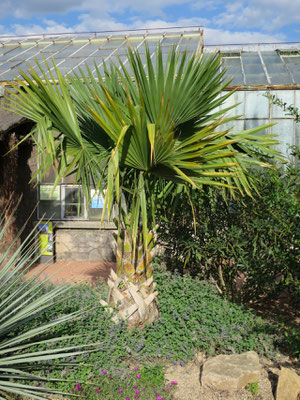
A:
[288,387]
[231,372]
[84,245]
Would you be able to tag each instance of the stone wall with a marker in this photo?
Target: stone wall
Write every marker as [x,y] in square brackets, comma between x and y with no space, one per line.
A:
[84,244]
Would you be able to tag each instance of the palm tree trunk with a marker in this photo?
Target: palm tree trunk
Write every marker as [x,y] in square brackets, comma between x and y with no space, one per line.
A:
[132,289]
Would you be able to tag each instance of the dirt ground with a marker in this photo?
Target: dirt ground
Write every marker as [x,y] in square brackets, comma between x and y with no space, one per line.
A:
[74,271]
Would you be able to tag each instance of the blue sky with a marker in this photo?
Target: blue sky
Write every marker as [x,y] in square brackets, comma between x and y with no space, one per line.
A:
[223,21]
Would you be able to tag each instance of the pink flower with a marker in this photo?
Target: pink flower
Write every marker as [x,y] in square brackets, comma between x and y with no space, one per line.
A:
[135,368]
[134,386]
[110,377]
[120,391]
[97,390]
[104,372]
[138,376]
[137,392]
[83,393]
[92,380]
[159,398]
[143,389]
[127,398]
[174,383]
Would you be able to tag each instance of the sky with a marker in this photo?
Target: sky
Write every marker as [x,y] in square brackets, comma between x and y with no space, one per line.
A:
[223,21]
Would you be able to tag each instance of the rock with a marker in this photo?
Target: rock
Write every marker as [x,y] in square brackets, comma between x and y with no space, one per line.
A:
[199,359]
[231,372]
[288,387]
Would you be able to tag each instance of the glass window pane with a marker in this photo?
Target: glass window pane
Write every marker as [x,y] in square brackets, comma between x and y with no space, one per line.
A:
[50,209]
[256,79]
[257,105]
[284,128]
[235,98]
[281,78]
[287,96]
[73,202]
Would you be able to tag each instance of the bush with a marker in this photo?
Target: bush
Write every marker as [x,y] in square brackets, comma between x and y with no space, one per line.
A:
[248,243]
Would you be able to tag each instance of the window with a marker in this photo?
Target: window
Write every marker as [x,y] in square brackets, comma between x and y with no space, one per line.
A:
[67,202]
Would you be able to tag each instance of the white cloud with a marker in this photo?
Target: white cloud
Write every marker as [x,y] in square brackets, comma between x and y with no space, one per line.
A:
[48,26]
[28,8]
[220,36]
[265,15]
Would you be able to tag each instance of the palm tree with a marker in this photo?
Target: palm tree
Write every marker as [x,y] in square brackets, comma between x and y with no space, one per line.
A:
[135,134]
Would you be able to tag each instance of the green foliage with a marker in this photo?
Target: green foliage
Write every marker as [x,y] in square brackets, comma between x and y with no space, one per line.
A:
[290,109]
[253,388]
[142,383]
[291,341]
[192,316]
[29,347]
[243,243]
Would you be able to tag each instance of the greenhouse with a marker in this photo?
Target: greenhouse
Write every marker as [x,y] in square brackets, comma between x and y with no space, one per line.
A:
[254,70]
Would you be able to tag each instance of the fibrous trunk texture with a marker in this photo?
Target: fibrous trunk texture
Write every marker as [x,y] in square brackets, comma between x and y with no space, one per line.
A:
[136,302]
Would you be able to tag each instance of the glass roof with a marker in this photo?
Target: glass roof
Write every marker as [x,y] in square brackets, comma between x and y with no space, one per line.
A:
[246,65]
[71,52]
[263,66]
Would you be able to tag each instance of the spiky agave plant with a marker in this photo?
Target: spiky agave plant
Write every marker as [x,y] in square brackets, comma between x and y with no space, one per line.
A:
[21,301]
[128,128]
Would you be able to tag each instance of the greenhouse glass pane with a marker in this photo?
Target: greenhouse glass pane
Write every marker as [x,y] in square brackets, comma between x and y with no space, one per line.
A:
[284,128]
[189,43]
[295,71]
[256,105]
[296,76]
[297,138]
[236,62]
[171,40]
[234,70]
[287,96]
[235,98]
[276,68]
[281,78]
[292,60]
[87,49]
[25,54]
[9,52]
[237,80]
[271,57]
[256,79]
[250,58]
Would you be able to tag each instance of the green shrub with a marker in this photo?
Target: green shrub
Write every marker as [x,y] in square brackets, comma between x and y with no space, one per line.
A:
[256,242]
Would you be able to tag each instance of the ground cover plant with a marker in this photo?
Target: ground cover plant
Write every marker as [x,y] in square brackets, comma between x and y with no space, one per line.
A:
[193,316]
[141,383]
